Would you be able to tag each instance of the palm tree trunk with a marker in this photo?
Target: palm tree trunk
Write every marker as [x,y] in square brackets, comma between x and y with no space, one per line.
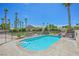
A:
[69,18]
[5,27]
[12,33]
[26,24]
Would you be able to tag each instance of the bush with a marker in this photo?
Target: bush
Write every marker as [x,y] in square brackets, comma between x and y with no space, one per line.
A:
[16,30]
[22,29]
[76,27]
[18,35]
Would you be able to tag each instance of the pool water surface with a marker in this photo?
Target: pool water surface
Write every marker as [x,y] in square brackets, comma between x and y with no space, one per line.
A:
[39,43]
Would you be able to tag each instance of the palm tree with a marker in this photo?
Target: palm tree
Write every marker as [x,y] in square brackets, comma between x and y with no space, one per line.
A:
[5,20]
[48,27]
[26,23]
[77,25]
[22,23]
[43,28]
[12,32]
[8,24]
[69,17]
[21,26]
[5,15]
[16,20]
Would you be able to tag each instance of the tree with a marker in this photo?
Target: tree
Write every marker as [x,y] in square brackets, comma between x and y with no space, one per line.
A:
[48,27]
[5,15]
[69,17]
[51,26]
[5,21]
[77,26]
[16,20]
[2,25]
[8,25]
[22,23]
[43,28]
[25,22]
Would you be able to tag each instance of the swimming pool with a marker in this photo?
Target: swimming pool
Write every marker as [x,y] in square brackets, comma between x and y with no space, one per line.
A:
[39,43]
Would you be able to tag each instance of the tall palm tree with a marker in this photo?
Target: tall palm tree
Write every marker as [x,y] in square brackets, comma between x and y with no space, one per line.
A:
[12,32]
[77,25]
[69,17]
[43,28]
[8,24]
[22,23]
[5,20]
[16,20]
[48,27]
[17,24]
[26,22]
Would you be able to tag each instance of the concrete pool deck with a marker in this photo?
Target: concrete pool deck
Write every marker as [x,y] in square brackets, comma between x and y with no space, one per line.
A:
[64,47]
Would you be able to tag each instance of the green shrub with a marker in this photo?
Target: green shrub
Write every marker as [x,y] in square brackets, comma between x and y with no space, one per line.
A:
[18,35]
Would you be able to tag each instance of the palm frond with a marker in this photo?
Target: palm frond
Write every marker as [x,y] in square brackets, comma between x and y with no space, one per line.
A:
[66,4]
[6,10]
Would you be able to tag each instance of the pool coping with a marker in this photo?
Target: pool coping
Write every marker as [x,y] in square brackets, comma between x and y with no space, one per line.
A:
[23,49]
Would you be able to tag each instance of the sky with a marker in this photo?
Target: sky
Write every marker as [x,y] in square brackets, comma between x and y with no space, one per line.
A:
[39,13]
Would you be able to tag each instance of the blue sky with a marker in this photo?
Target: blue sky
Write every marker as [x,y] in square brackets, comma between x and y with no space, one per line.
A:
[38,13]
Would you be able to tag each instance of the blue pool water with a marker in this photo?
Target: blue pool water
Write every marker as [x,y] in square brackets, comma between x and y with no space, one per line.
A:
[39,43]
